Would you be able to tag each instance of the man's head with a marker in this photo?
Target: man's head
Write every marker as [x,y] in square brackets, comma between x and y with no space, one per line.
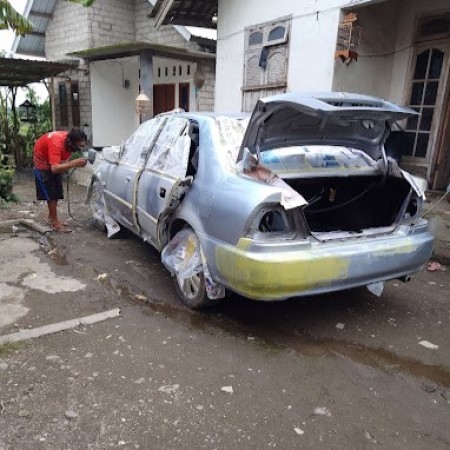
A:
[76,140]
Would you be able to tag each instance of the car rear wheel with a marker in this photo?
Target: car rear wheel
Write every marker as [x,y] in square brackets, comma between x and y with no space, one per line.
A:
[192,290]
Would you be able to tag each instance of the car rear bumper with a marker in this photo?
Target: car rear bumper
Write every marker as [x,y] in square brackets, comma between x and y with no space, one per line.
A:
[266,271]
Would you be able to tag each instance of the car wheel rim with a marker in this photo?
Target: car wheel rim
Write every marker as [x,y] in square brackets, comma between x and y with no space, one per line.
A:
[190,286]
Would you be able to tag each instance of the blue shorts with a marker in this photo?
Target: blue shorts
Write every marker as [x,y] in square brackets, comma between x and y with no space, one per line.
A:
[48,185]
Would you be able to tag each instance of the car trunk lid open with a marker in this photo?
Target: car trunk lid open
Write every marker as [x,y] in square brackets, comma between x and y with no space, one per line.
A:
[329,149]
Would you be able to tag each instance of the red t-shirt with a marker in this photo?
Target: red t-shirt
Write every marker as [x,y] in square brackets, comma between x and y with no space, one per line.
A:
[50,149]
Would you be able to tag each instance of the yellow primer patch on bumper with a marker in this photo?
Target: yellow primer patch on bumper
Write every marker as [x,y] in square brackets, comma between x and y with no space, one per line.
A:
[277,275]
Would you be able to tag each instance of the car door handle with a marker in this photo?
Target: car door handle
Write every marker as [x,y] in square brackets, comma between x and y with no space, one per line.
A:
[162,192]
[128,179]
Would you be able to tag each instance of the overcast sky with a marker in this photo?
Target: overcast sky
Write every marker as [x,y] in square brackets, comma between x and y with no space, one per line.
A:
[7,36]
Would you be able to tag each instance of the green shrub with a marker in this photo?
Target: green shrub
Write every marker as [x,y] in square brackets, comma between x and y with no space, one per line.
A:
[6,186]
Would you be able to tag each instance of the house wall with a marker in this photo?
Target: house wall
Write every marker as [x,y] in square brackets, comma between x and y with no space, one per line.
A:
[113,106]
[68,31]
[205,95]
[372,72]
[84,85]
[388,28]
[388,31]
[75,27]
[312,43]
[109,22]
[201,99]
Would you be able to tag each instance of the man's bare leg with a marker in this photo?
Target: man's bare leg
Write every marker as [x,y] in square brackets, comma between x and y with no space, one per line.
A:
[53,212]
[53,217]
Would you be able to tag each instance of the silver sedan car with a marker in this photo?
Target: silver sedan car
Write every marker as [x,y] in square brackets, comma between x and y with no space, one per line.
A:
[297,199]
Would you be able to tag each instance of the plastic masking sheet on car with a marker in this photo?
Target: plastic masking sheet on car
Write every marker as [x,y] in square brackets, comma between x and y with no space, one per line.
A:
[140,141]
[231,133]
[183,257]
[170,153]
[99,210]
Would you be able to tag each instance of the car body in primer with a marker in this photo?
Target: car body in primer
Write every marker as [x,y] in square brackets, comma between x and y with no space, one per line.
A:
[298,199]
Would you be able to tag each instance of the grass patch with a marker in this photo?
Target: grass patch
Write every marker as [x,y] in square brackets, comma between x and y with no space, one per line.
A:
[10,347]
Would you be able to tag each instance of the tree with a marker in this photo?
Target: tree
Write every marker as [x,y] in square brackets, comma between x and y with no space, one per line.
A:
[10,18]
[8,123]
[41,123]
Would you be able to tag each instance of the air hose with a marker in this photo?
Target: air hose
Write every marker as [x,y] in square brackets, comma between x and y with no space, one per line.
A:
[439,200]
[69,207]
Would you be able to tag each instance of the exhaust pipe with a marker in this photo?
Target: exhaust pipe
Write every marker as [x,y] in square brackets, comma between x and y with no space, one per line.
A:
[405,278]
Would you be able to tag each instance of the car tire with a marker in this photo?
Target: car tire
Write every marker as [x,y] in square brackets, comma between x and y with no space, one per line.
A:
[192,290]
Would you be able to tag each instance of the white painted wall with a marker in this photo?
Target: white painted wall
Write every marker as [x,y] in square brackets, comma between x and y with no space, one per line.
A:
[372,72]
[388,31]
[312,43]
[114,116]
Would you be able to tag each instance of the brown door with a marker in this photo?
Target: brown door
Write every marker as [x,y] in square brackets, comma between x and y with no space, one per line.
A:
[163,98]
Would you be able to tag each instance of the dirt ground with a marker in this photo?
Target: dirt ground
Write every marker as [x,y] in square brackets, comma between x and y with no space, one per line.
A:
[341,371]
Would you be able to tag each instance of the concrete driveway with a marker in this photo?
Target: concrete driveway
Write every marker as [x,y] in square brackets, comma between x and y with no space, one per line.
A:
[339,371]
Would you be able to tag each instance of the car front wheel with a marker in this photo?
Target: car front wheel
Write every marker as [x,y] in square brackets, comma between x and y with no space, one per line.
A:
[97,204]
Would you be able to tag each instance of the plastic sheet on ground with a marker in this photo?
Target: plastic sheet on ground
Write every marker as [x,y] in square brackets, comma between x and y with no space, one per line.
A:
[97,202]
[171,150]
[183,257]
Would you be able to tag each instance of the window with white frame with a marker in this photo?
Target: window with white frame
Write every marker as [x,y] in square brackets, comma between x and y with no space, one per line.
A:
[266,60]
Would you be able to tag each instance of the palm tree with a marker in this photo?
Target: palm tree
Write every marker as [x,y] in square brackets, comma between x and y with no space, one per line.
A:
[10,18]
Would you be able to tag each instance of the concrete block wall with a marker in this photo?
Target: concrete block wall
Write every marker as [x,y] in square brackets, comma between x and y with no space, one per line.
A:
[67,32]
[205,95]
[111,22]
[75,27]
[84,86]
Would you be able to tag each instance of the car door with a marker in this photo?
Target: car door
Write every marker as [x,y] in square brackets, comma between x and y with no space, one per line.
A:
[122,179]
[165,168]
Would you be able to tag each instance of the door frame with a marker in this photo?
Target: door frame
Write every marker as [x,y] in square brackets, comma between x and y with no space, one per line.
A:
[439,115]
[441,163]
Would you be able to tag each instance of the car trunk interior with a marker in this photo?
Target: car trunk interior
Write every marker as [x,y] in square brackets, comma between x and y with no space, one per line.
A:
[353,203]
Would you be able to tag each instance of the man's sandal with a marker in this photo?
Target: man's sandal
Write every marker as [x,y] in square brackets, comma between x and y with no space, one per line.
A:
[62,229]
[63,223]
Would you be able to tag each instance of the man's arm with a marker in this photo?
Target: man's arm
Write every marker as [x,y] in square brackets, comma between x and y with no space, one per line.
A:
[66,166]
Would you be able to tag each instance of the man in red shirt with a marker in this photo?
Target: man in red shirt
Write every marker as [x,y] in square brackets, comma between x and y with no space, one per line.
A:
[51,158]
